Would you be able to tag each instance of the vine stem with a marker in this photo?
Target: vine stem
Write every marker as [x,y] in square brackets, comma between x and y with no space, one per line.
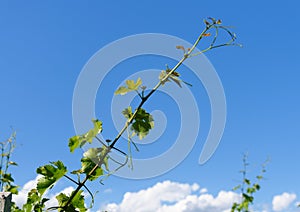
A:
[143,100]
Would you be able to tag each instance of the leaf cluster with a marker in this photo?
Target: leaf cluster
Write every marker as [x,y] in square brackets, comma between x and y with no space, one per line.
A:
[247,188]
[141,123]
[6,179]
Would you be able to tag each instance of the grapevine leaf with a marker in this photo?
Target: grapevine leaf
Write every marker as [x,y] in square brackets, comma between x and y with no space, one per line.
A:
[174,77]
[131,86]
[122,90]
[74,142]
[51,173]
[162,76]
[256,186]
[134,85]
[7,178]
[259,177]
[236,187]
[248,198]
[12,163]
[142,124]
[250,190]
[87,165]
[12,189]
[93,132]
[62,199]
[90,158]
[79,140]
[76,203]
[127,112]
[176,80]
[247,181]
[32,199]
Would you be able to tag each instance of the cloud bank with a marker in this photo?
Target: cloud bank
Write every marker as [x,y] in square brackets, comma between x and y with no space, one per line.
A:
[169,196]
[176,197]
[283,201]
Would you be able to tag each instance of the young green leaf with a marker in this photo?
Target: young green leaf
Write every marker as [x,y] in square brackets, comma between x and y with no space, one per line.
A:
[162,77]
[33,199]
[7,178]
[90,158]
[122,90]
[127,112]
[79,140]
[12,189]
[131,86]
[51,174]
[12,163]
[76,203]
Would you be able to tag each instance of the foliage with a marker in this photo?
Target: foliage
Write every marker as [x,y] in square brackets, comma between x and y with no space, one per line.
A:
[6,179]
[94,163]
[247,188]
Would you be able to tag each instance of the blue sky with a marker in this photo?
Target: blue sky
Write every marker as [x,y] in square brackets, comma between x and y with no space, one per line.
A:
[44,46]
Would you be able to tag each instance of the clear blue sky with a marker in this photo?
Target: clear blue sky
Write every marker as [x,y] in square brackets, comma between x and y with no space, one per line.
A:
[45,44]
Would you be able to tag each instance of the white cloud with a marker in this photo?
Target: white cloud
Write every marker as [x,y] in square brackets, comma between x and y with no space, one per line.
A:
[171,196]
[283,201]
[203,190]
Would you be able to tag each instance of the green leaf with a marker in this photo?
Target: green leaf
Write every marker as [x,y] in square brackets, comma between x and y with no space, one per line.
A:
[122,90]
[7,178]
[248,198]
[127,112]
[51,173]
[259,177]
[87,165]
[142,124]
[256,186]
[74,142]
[162,78]
[236,187]
[12,163]
[251,190]
[76,203]
[79,140]
[93,132]
[62,199]
[12,189]
[131,86]
[33,198]
[247,181]
[89,160]
[176,80]
[174,77]
[93,154]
